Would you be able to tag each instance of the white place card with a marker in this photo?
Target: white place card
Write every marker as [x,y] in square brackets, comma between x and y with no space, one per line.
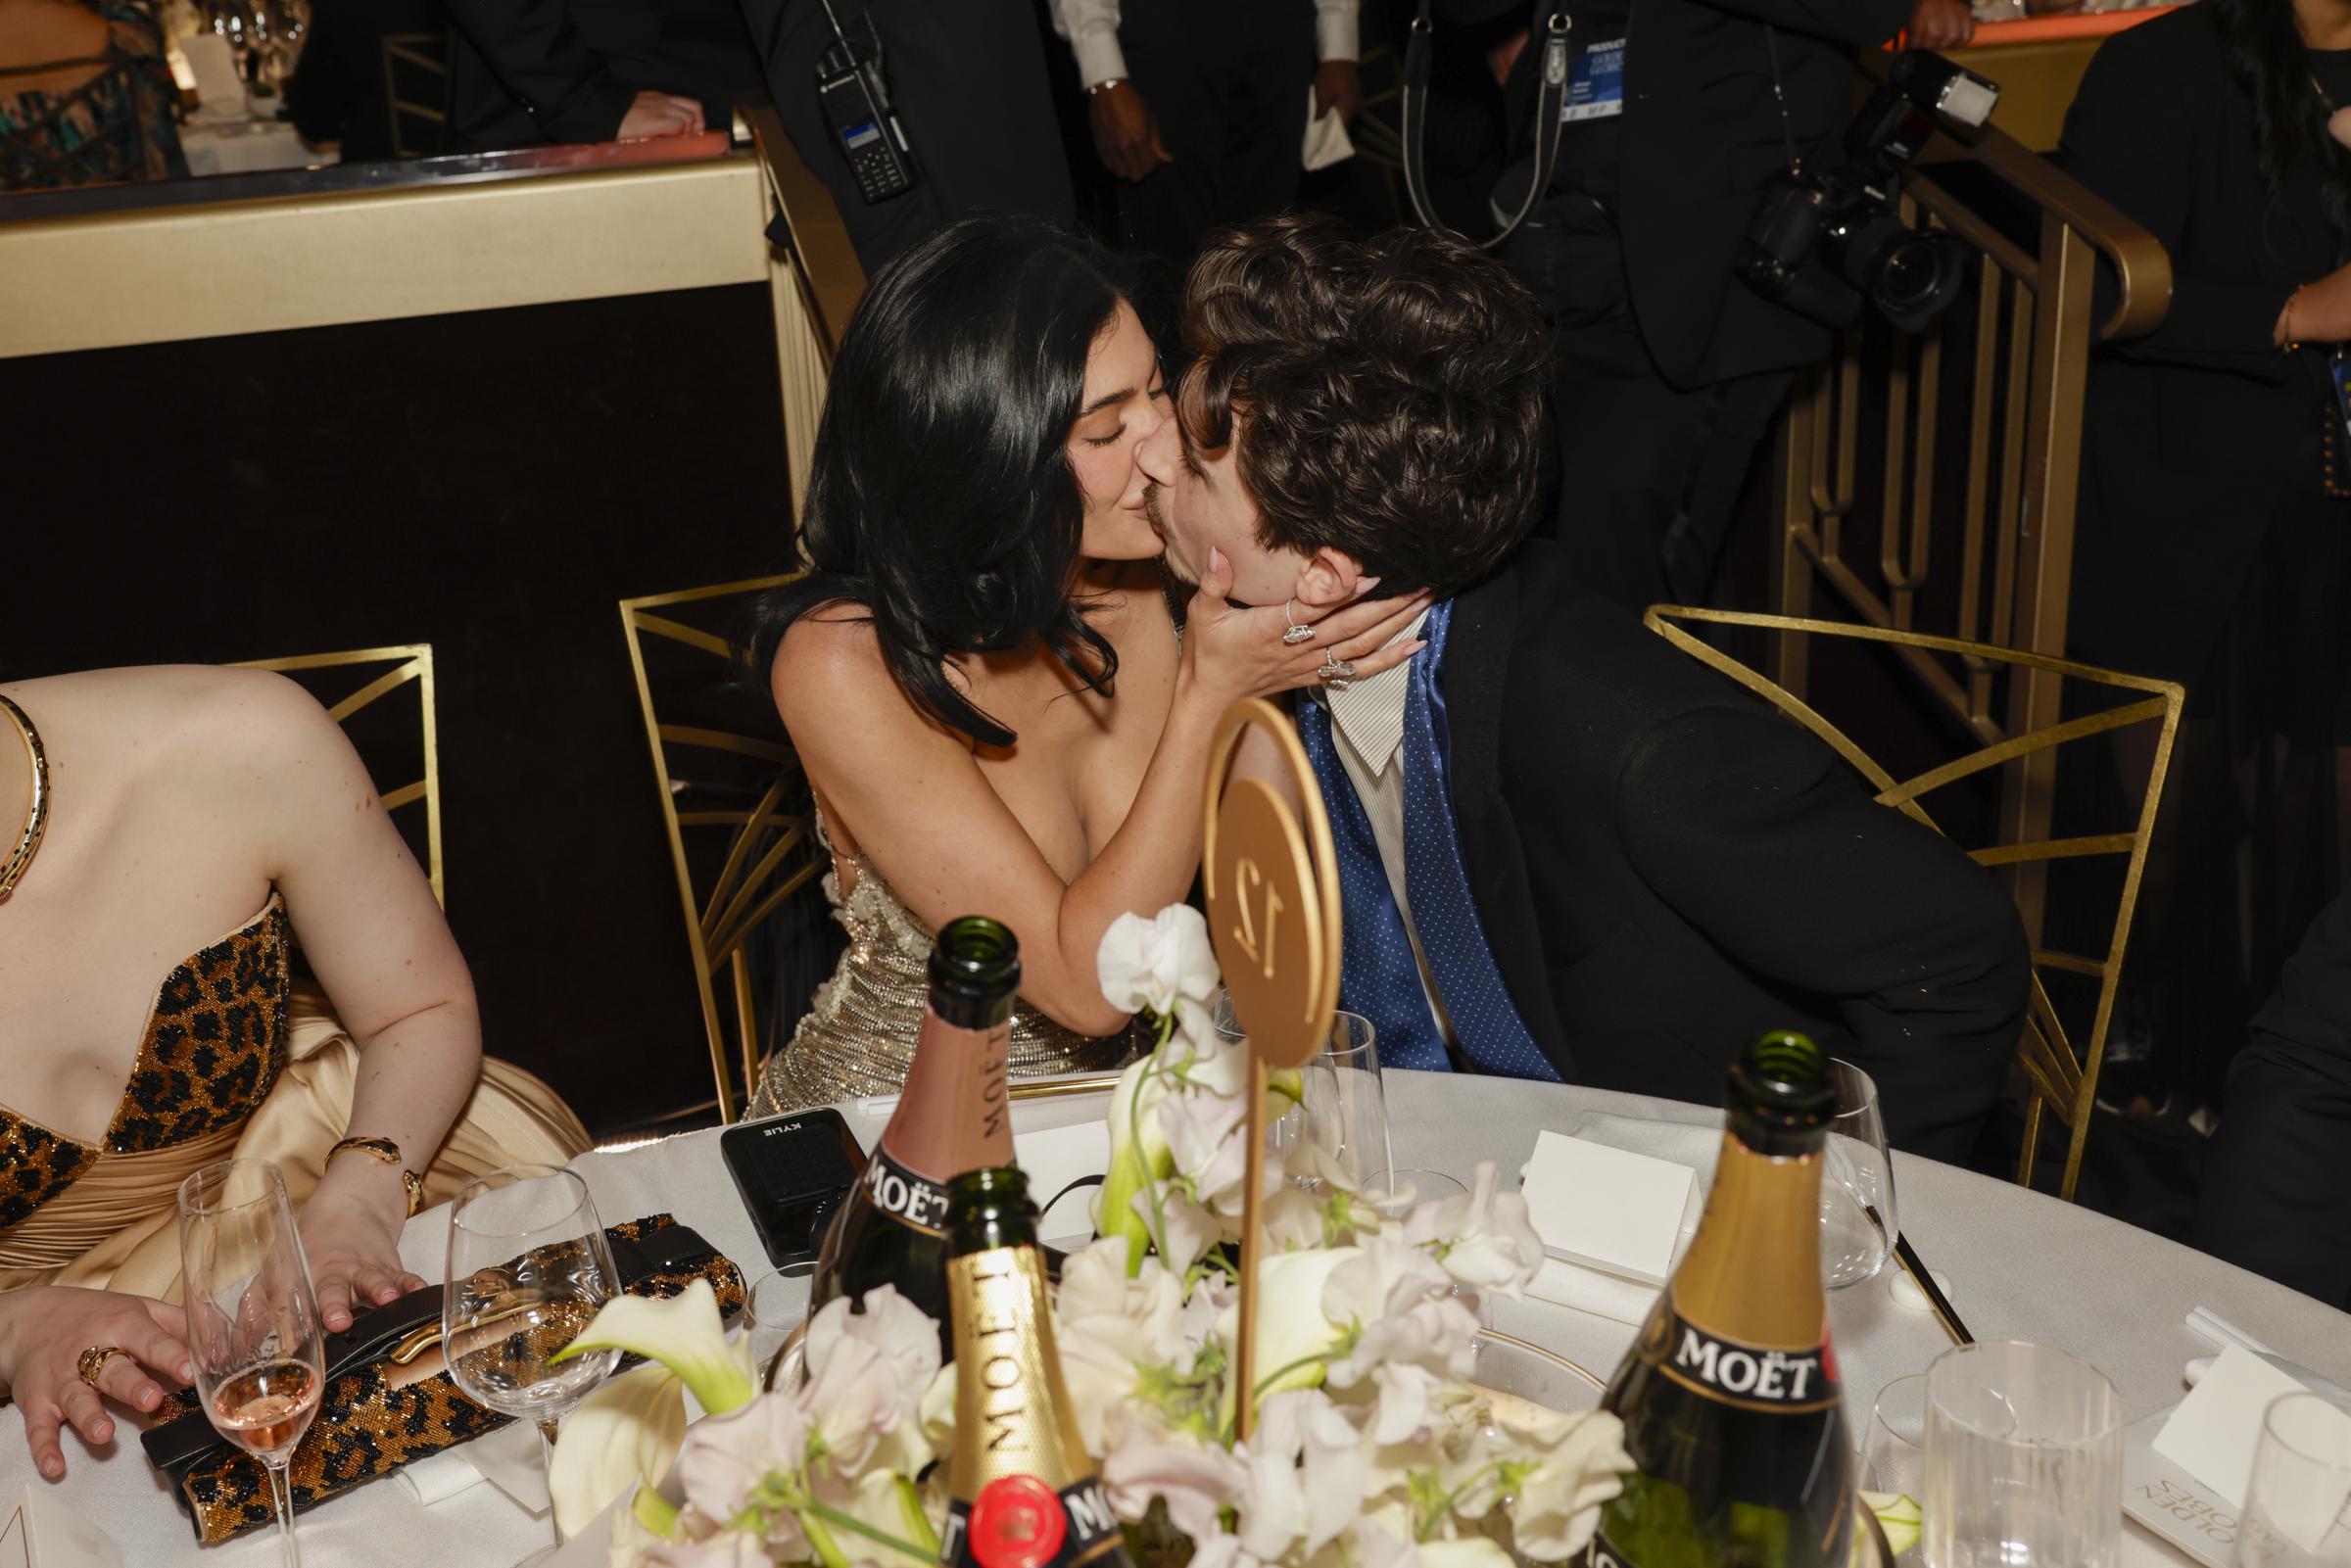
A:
[1054,1158]
[2213,1433]
[43,1533]
[2172,1503]
[1604,1208]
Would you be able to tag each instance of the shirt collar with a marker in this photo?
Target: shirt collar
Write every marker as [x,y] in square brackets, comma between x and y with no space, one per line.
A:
[1369,711]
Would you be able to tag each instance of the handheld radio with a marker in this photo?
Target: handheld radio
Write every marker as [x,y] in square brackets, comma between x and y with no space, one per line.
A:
[855,100]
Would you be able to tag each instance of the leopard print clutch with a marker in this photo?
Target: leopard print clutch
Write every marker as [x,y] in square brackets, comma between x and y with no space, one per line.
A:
[368,1426]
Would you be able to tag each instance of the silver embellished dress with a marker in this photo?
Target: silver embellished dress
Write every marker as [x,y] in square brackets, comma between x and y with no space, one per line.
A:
[858,1038]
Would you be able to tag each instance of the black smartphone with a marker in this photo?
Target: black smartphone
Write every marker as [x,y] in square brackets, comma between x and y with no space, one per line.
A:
[792,1172]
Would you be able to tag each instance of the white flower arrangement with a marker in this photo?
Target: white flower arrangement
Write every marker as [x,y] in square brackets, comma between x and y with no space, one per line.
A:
[1371,1449]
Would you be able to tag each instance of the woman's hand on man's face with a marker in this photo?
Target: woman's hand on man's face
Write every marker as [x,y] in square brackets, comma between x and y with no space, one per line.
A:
[1238,652]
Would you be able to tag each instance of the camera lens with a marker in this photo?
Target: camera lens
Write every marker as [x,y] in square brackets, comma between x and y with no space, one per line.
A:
[1917,276]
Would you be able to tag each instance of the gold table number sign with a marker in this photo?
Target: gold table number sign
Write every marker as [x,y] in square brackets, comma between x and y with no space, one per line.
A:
[1272,886]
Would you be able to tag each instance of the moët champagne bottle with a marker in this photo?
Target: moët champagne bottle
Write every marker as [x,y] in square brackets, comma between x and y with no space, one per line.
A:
[952,1117]
[1730,1398]
[1022,1490]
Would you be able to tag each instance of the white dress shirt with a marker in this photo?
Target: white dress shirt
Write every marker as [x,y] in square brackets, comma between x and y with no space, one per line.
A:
[1092,29]
[1367,725]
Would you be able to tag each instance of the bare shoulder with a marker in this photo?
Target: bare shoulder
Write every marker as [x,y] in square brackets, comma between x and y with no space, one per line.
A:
[831,681]
[183,712]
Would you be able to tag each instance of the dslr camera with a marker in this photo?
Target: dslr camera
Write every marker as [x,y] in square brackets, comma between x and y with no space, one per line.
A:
[1825,242]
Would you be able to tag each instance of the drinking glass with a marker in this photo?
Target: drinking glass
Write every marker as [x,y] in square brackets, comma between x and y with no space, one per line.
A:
[1893,1448]
[1428,1187]
[2024,1465]
[528,1269]
[1340,1127]
[253,1320]
[1857,1224]
[2295,1505]
[773,1311]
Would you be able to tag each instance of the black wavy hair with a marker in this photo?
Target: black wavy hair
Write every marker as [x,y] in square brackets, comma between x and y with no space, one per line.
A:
[2264,52]
[941,499]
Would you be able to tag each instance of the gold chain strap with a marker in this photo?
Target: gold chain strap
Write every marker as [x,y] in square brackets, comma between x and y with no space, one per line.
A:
[36,817]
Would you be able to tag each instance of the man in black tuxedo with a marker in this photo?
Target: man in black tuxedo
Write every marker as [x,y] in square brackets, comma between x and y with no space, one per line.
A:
[1568,851]
[1680,116]
[531,72]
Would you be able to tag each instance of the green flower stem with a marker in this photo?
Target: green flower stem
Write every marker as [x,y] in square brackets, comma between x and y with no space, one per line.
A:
[1277,1374]
[910,1509]
[1445,1504]
[830,1551]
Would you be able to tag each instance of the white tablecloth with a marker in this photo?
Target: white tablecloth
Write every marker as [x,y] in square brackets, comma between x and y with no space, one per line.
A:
[2023,1266]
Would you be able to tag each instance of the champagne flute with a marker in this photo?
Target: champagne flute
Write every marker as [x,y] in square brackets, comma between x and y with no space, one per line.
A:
[1858,1224]
[528,1269]
[253,1320]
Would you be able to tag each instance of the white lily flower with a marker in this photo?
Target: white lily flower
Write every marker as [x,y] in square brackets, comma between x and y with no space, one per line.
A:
[1464,1551]
[623,1434]
[1109,1329]
[1143,1461]
[683,1332]
[880,1500]
[726,1458]
[1151,966]
[1581,1462]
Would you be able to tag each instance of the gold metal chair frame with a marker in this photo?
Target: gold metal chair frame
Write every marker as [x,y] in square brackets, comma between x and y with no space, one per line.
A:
[746,889]
[411,661]
[2057,1077]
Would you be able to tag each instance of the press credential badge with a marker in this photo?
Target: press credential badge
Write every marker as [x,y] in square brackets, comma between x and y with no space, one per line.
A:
[1596,83]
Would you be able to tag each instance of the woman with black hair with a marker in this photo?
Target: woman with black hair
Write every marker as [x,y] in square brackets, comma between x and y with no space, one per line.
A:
[2213,510]
[981,569]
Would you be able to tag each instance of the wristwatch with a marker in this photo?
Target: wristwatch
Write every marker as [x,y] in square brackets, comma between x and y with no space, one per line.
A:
[387,1152]
[1104,85]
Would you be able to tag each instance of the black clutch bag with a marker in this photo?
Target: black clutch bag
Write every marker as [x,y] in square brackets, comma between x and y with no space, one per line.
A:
[371,1420]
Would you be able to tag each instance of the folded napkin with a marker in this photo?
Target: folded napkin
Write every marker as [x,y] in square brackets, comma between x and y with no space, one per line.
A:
[1588,1290]
[438,1477]
[1326,138]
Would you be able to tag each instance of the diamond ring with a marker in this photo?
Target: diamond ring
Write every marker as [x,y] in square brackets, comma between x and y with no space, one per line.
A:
[1296,634]
[1334,671]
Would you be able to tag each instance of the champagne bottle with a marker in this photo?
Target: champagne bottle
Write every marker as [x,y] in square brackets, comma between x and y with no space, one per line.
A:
[952,1117]
[1730,1398]
[1023,1493]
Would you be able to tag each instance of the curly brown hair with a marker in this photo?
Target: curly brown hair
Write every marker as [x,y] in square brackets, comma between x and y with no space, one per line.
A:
[1387,394]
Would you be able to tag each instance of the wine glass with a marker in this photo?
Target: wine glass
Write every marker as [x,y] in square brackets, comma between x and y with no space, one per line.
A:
[1857,1226]
[1340,1127]
[253,1320]
[2295,1513]
[529,1267]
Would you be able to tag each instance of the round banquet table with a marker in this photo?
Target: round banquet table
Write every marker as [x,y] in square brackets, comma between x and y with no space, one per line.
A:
[2022,1266]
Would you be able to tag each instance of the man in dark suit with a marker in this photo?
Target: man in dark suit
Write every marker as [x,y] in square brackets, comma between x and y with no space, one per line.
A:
[1566,850]
[2278,1191]
[1680,116]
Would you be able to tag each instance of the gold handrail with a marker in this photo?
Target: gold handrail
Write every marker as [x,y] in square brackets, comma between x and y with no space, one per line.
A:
[2014,358]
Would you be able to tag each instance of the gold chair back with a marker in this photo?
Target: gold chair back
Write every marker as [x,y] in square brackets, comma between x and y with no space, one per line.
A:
[737,808]
[416,68]
[392,747]
[2057,1064]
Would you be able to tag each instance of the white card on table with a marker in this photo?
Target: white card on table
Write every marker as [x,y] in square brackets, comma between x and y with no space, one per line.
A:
[2214,1432]
[2173,1503]
[1604,1208]
[51,1534]
[1055,1157]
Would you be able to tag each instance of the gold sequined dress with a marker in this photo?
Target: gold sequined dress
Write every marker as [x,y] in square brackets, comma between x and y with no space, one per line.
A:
[858,1038]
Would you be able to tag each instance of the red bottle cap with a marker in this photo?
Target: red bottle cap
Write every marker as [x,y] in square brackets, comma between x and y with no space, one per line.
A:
[1017,1521]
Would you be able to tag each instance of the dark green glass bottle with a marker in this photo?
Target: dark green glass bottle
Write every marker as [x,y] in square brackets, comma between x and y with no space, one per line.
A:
[952,1117]
[1023,1493]
[1732,1407]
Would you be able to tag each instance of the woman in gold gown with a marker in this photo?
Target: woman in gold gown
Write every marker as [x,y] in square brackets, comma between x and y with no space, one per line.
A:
[982,570]
[182,828]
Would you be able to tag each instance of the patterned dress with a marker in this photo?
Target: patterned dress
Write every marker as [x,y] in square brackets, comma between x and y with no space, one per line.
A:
[115,126]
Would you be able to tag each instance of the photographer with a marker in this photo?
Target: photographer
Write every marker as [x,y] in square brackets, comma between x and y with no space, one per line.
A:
[1680,116]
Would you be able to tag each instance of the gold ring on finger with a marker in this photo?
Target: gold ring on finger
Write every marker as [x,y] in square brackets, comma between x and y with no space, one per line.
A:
[93,1361]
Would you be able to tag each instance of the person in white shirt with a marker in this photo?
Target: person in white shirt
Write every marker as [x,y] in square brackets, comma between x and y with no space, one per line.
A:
[1200,106]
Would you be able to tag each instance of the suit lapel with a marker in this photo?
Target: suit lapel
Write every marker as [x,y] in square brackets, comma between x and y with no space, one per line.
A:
[1478,661]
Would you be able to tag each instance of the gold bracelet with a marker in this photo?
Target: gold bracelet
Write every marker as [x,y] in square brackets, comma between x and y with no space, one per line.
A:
[2286,321]
[385,1150]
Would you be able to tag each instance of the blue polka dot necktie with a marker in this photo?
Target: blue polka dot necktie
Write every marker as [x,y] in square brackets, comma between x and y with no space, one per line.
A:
[1377,976]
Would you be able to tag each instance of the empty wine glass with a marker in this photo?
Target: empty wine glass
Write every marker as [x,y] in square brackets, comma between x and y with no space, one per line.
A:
[1339,1130]
[529,1267]
[1857,1224]
[253,1320]
[1893,1450]
[2298,1498]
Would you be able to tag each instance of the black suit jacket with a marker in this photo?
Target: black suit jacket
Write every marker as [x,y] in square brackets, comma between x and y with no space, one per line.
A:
[1701,139]
[1665,869]
[2277,1192]
[523,73]
[2199,433]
